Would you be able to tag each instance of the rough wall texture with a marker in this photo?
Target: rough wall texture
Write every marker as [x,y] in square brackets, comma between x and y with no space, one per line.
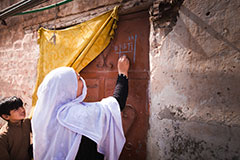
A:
[18,62]
[194,83]
[194,62]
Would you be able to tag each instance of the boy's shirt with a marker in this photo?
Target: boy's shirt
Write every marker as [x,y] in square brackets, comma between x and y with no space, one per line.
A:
[15,141]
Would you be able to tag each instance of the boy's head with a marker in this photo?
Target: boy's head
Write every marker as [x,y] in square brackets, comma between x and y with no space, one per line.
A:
[11,109]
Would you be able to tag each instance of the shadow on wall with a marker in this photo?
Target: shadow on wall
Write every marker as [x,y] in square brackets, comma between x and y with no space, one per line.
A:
[196,141]
[207,28]
[165,15]
[207,126]
[212,97]
[190,41]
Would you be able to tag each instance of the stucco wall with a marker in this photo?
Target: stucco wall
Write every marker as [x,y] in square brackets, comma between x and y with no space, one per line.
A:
[194,83]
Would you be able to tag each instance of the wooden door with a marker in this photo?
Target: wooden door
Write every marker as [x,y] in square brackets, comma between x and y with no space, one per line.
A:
[132,39]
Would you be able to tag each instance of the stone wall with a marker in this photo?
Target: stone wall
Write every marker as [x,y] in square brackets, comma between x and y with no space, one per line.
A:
[194,83]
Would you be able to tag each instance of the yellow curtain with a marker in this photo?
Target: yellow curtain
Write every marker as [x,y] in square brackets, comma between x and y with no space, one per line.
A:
[75,47]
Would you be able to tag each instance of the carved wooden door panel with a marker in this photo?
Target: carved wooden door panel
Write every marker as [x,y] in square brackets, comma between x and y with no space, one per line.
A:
[132,39]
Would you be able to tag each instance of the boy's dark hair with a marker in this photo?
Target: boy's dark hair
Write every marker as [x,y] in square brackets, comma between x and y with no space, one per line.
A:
[8,104]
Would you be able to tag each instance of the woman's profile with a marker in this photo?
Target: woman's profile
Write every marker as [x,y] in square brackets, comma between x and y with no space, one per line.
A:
[65,127]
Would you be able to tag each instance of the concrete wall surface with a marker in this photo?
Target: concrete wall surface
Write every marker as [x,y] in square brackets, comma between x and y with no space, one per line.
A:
[194,83]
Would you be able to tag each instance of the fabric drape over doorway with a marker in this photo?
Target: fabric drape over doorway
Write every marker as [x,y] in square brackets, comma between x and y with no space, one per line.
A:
[75,46]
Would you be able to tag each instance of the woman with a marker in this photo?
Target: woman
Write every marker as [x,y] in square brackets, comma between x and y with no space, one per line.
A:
[64,127]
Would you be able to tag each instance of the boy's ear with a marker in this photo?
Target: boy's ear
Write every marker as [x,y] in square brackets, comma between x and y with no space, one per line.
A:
[5,116]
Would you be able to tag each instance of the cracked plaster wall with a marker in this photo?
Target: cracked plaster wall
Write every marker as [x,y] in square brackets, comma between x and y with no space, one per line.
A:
[194,83]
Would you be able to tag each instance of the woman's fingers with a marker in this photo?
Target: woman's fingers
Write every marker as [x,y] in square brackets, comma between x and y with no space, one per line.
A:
[123,65]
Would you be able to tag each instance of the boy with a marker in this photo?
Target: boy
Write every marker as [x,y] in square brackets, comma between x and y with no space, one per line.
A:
[15,134]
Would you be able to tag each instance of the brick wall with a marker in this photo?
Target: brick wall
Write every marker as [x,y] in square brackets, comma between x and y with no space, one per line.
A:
[18,62]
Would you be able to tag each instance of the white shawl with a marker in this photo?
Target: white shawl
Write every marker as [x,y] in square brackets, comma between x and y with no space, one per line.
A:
[60,119]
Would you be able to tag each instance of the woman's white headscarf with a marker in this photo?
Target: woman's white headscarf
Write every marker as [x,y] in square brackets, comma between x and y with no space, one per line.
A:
[60,119]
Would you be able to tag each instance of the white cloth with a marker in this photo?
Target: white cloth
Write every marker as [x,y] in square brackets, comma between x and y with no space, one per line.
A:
[60,119]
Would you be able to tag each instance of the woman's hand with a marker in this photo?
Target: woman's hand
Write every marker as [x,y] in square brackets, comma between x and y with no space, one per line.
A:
[123,65]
